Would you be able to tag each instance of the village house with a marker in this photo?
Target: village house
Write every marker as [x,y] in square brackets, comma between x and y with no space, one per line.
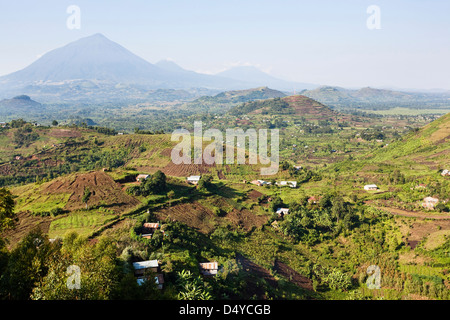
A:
[430,202]
[193,179]
[282,211]
[260,182]
[141,268]
[209,268]
[291,184]
[445,172]
[371,187]
[142,177]
[313,199]
[149,229]
[159,280]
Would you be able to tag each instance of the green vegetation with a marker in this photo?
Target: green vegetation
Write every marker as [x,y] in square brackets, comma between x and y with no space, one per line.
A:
[78,184]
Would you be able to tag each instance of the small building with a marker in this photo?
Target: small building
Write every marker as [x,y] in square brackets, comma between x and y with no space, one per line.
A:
[371,187]
[141,267]
[142,177]
[282,211]
[260,182]
[193,179]
[297,167]
[291,184]
[429,202]
[209,268]
[313,200]
[445,172]
[159,280]
[149,229]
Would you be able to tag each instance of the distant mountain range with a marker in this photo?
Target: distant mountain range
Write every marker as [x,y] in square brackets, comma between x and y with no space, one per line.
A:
[372,98]
[255,76]
[95,69]
[95,66]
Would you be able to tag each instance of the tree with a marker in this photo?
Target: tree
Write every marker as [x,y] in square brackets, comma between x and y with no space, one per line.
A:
[191,287]
[54,123]
[87,194]
[27,265]
[8,218]
[205,182]
[170,195]
[99,275]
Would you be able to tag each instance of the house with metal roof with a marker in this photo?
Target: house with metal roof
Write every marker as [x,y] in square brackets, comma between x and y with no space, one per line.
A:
[193,179]
[141,267]
[209,268]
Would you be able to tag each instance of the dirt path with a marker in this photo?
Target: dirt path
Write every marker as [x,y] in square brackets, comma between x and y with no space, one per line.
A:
[422,228]
[415,214]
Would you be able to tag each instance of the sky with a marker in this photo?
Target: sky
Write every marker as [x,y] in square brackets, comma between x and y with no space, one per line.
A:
[325,42]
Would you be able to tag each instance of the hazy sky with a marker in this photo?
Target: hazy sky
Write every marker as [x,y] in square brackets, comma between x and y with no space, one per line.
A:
[322,42]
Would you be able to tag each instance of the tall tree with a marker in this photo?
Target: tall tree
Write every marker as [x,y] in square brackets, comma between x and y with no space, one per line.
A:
[8,218]
[86,196]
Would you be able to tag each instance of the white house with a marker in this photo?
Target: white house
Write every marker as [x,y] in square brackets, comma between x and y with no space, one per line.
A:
[445,172]
[370,187]
[282,211]
[193,179]
[142,177]
[292,184]
[429,202]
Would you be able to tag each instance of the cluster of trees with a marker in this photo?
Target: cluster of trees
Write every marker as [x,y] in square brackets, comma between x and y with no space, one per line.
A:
[154,184]
[304,175]
[140,131]
[313,222]
[376,134]
[25,135]
[205,183]
[71,268]
[317,129]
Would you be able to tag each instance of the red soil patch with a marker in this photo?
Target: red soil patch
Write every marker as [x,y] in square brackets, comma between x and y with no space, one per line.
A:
[246,219]
[254,195]
[194,215]
[204,220]
[258,271]
[104,191]
[26,223]
[293,276]
[64,133]
[421,230]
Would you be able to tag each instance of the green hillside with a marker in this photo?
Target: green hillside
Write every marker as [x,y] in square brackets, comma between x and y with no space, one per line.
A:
[223,101]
